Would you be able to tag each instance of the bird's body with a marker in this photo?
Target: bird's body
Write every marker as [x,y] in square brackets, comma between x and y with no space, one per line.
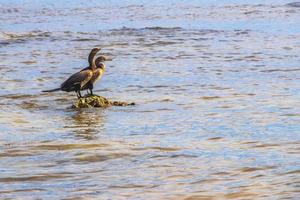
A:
[77,81]
[97,73]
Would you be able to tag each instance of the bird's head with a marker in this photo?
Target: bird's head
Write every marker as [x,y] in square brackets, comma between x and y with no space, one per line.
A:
[95,50]
[102,59]
[100,65]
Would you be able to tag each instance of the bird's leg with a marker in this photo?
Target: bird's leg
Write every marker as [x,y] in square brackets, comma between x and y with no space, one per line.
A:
[90,90]
[79,94]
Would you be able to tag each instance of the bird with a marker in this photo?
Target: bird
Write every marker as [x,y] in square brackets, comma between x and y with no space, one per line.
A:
[97,73]
[77,81]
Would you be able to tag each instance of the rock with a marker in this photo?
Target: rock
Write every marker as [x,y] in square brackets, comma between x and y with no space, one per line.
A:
[91,101]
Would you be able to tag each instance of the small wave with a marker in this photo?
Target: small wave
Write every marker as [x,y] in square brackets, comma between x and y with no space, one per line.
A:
[33,34]
[42,177]
[138,31]
[9,10]
[84,39]
[160,43]
[12,37]
[280,70]
[294,4]
[162,28]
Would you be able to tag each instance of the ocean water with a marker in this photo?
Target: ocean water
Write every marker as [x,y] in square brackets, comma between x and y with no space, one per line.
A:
[216,86]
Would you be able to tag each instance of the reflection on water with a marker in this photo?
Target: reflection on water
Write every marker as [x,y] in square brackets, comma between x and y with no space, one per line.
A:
[86,123]
[216,87]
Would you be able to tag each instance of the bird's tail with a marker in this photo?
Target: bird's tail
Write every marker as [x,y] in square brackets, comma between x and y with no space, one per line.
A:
[53,90]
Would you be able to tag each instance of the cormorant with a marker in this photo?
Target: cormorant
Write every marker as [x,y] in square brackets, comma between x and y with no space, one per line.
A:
[97,73]
[77,81]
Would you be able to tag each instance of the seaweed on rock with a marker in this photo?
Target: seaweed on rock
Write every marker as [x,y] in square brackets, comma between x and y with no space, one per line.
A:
[91,101]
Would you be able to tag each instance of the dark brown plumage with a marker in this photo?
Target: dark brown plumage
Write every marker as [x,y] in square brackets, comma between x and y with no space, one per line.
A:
[77,81]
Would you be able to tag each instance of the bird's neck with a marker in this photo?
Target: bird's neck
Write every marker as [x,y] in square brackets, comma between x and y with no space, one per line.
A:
[92,60]
[102,68]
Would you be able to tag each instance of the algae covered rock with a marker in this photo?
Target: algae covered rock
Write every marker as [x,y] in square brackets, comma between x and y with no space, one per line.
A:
[90,101]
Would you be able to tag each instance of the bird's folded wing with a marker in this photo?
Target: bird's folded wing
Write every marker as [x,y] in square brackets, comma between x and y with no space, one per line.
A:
[80,78]
[88,74]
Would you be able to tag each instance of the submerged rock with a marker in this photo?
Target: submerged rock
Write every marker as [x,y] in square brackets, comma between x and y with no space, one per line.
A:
[91,101]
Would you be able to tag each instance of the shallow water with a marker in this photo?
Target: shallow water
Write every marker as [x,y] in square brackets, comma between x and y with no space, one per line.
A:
[217,93]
